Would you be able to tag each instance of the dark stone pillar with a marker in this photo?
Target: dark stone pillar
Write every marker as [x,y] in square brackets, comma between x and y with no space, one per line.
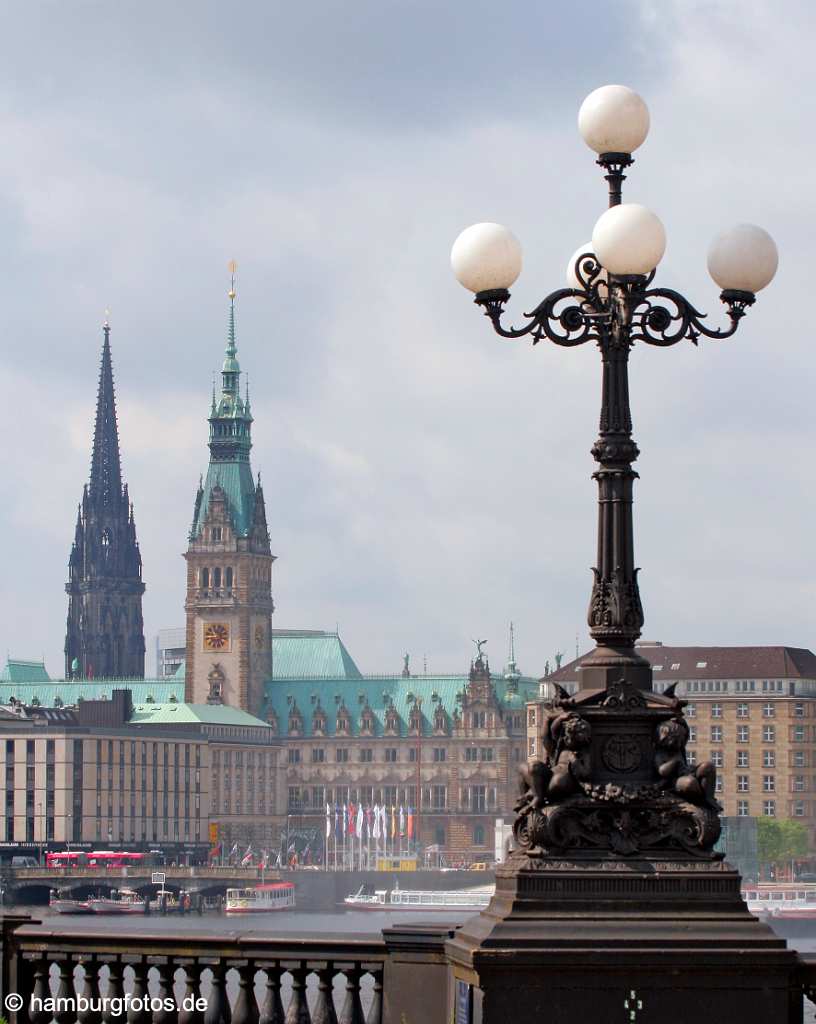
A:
[611,940]
[416,976]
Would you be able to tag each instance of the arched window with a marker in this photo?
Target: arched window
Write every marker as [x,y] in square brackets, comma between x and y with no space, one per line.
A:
[478,835]
[216,578]
[228,577]
[439,836]
[205,579]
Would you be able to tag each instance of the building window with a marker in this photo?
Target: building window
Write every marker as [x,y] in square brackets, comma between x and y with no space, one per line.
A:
[439,797]
[798,759]
[478,835]
[768,734]
[742,759]
[531,745]
[294,755]
[531,717]
[798,709]
[366,755]
[769,759]
[439,754]
[439,836]
[798,809]
[215,533]
[798,734]
[204,578]
[768,784]
[692,733]
[768,710]
[412,754]
[471,754]
[228,577]
[691,711]
[691,758]
[341,755]
[486,754]
[742,784]
[318,755]
[769,808]
[718,784]
[742,809]
[391,754]
[716,710]
[717,758]
[742,734]
[742,711]
[716,734]
[798,783]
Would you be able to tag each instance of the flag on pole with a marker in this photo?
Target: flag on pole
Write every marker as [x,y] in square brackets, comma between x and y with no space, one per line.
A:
[410,825]
[264,859]
[214,851]
[336,821]
[352,818]
[401,821]
[360,820]
[376,830]
[393,821]
[233,852]
[328,821]
[345,820]
[247,857]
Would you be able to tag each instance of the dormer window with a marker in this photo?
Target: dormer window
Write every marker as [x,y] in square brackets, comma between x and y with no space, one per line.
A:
[204,579]
[216,533]
[367,722]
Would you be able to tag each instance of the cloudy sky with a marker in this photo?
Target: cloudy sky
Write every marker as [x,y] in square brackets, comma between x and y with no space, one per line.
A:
[426,482]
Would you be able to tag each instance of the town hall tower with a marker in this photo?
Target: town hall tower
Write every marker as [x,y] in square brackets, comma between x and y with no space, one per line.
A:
[229,562]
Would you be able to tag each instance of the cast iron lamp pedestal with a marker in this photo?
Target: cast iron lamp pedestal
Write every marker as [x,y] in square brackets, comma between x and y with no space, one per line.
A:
[613,905]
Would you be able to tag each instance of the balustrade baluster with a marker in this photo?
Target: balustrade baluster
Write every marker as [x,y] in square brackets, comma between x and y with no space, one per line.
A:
[245,1010]
[189,1012]
[374,1015]
[272,1009]
[40,991]
[167,1012]
[324,1011]
[298,1010]
[66,994]
[115,990]
[139,1008]
[90,1012]
[218,1008]
[352,1012]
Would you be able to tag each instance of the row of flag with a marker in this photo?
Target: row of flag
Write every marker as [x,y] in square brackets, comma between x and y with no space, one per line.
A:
[377,822]
[247,859]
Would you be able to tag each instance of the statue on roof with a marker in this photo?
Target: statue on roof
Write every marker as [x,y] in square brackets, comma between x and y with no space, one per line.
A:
[558,656]
[406,671]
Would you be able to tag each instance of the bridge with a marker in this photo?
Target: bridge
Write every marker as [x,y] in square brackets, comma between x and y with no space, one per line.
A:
[32,884]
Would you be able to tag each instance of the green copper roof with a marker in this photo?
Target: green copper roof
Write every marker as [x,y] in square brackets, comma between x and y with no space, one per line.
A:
[378,692]
[235,479]
[68,692]
[17,670]
[186,714]
[304,653]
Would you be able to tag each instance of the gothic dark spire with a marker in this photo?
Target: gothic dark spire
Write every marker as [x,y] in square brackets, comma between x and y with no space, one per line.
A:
[106,471]
[105,635]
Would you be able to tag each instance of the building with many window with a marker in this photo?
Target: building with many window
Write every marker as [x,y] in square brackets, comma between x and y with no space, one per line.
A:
[751,711]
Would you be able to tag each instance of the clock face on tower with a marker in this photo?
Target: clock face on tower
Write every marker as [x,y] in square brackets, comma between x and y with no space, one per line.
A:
[216,636]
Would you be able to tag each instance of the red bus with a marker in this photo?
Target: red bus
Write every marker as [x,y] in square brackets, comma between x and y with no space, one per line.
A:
[98,858]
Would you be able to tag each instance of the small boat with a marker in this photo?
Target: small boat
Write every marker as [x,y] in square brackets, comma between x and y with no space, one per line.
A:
[61,902]
[121,901]
[260,898]
[419,899]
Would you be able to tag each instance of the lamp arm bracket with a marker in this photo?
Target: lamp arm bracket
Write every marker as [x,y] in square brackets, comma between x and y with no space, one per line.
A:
[664,317]
[556,318]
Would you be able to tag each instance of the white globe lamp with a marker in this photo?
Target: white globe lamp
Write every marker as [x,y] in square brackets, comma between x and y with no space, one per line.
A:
[629,239]
[743,258]
[486,257]
[613,119]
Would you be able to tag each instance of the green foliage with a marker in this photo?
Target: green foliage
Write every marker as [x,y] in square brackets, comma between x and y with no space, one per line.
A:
[781,839]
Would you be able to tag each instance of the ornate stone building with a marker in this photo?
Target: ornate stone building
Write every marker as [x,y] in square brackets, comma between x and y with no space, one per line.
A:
[105,632]
[229,562]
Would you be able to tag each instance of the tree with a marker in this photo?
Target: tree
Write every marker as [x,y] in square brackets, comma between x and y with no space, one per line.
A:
[781,839]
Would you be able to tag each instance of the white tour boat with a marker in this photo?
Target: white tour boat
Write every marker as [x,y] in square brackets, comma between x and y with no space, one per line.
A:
[62,902]
[260,898]
[420,899]
[121,901]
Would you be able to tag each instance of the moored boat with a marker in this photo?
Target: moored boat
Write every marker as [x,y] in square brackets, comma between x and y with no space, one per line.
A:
[121,901]
[260,899]
[62,902]
[419,899]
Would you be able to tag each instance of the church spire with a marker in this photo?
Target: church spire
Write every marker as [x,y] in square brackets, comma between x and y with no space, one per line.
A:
[106,473]
[231,370]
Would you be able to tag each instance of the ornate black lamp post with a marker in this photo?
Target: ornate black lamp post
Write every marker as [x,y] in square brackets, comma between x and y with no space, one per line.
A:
[610,301]
[615,831]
